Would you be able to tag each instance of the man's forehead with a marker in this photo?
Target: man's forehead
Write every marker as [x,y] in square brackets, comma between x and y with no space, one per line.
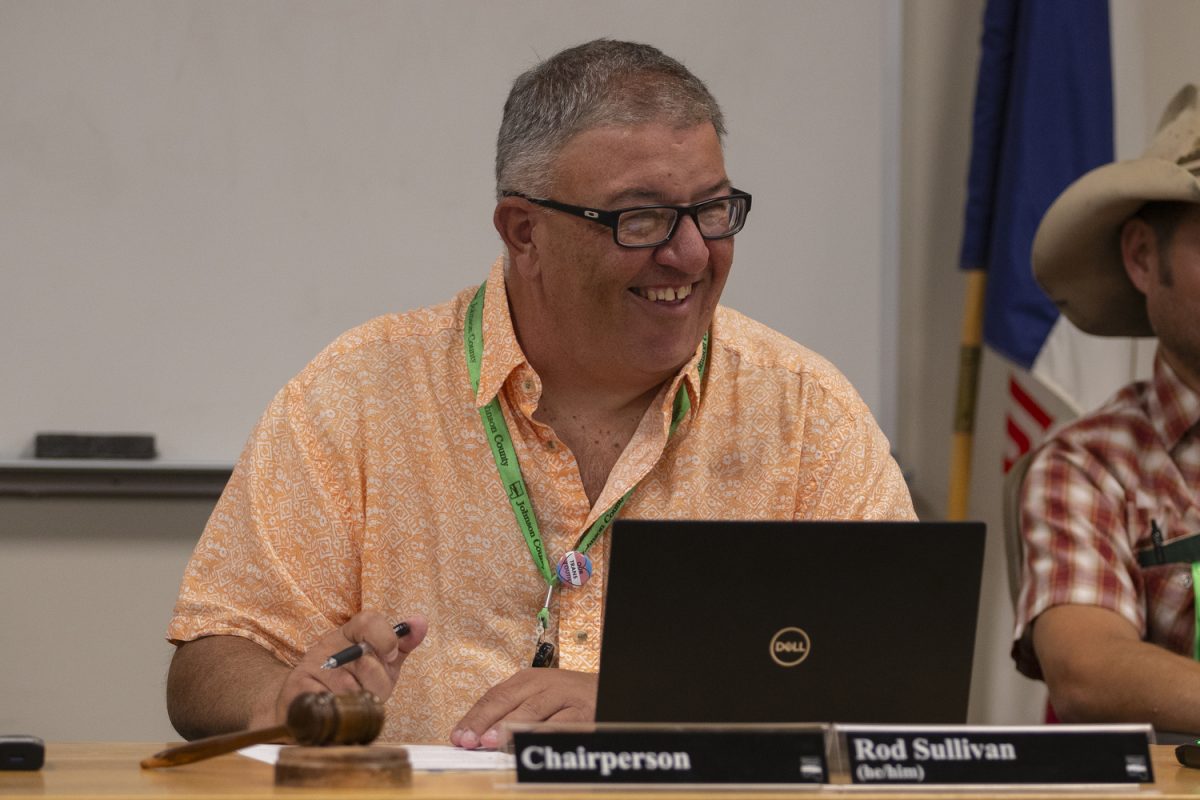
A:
[639,195]
[643,163]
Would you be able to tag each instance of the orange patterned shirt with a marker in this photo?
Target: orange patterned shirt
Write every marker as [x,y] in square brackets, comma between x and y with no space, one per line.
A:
[369,483]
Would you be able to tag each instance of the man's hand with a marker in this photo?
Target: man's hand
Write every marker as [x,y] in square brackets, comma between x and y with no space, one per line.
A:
[532,695]
[223,683]
[375,672]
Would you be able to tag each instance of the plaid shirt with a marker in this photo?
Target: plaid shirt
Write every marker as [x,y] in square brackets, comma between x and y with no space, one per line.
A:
[1094,493]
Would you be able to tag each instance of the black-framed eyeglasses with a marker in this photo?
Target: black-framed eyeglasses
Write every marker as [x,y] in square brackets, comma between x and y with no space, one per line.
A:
[652,225]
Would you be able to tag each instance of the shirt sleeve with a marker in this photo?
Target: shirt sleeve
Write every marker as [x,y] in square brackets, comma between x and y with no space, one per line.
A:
[847,469]
[278,562]
[1076,543]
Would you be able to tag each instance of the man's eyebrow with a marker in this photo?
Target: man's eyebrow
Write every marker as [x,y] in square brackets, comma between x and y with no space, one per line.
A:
[634,197]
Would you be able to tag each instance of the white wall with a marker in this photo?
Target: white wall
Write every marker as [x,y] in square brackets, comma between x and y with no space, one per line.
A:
[86,591]
[198,196]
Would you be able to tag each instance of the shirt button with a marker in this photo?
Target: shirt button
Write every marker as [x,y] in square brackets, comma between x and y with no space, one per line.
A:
[581,637]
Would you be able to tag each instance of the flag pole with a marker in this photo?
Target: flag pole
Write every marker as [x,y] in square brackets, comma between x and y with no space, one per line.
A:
[969,355]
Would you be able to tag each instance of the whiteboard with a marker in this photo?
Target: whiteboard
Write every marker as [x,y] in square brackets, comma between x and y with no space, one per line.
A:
[196,197]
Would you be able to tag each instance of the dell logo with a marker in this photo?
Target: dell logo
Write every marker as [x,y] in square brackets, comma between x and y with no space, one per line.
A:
[789,647]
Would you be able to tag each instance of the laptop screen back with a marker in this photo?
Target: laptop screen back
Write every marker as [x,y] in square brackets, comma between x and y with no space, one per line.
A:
[790,621]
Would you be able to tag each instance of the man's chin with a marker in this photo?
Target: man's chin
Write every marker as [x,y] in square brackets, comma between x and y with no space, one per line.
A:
[662,362]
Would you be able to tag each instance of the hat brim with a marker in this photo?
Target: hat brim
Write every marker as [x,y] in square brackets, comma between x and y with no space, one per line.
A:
[1077,249]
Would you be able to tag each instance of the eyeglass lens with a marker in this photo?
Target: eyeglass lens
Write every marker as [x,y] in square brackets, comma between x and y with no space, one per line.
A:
[715,219]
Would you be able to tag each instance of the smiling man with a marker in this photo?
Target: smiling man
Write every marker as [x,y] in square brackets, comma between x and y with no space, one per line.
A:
[456,467]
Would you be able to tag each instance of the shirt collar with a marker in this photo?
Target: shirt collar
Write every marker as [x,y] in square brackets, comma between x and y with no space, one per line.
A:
[1174,407]
[502,354]
[690,377]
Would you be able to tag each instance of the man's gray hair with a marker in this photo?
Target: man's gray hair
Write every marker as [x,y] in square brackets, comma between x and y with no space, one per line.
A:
[603,82]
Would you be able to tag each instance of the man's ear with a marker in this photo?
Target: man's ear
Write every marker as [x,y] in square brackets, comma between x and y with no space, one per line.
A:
[515,220]
[1139,252]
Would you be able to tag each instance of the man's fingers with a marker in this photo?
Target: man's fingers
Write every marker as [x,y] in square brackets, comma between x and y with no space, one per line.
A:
[495,703]
[376,631]
[497,736]
[376,670]
[531,695]
[371,674]
[303,680]
[571,714]
[502,708]
[337,683]
[418,626]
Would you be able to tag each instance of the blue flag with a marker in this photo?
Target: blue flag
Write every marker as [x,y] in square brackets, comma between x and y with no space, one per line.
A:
[1043,117]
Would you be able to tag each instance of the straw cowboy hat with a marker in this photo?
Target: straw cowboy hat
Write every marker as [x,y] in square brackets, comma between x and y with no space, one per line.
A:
[1077,249]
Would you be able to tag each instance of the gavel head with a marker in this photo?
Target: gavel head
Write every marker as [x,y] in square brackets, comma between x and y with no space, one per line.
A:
[324,718]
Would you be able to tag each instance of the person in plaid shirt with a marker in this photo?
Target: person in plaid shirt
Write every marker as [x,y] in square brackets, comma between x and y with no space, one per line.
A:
[1110,511]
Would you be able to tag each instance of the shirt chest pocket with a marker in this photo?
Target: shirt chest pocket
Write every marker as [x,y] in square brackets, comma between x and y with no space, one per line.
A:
[1165,548]
[1161,536]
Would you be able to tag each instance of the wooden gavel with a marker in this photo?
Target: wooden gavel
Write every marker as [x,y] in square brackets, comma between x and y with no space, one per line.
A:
[312,719]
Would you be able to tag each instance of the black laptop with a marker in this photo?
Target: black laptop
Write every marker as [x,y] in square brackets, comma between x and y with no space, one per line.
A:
[790,621]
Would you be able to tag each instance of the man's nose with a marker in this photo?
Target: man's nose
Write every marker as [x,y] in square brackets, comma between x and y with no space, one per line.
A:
[687,251]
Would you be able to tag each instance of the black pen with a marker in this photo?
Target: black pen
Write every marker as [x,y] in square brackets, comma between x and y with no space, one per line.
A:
[1156,538]
[356,651]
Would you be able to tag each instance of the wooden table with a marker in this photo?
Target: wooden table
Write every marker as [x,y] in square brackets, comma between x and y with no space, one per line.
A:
[110,770]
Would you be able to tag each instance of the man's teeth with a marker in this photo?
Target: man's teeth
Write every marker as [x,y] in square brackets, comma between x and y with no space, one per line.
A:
[668,293]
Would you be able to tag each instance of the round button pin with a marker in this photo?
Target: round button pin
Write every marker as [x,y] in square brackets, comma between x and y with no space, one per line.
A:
[574,568]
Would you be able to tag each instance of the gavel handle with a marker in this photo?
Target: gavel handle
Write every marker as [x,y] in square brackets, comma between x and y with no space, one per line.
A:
[213,746]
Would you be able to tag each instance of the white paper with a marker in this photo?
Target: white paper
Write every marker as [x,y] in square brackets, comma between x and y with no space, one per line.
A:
[422,757]
[438,757]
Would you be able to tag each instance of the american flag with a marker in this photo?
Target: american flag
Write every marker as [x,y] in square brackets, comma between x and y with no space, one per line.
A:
[1026,422]
[1043,117]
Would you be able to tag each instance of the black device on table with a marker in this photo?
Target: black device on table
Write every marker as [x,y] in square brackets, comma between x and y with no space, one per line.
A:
[21,752]
[1189,754]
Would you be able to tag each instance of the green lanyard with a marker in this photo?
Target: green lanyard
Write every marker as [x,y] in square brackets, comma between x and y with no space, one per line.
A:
[1196,609]
[506,456]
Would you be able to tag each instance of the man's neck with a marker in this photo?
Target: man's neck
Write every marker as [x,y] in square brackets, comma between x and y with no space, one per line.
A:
[593,396]
[593,404]
[1188,373]
[579,382]
[593,411]
[596,427]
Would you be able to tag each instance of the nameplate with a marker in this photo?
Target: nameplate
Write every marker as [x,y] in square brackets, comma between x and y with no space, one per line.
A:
[673,755]
[1051,754]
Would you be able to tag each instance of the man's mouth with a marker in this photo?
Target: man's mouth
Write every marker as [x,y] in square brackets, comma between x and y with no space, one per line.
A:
[663,294]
